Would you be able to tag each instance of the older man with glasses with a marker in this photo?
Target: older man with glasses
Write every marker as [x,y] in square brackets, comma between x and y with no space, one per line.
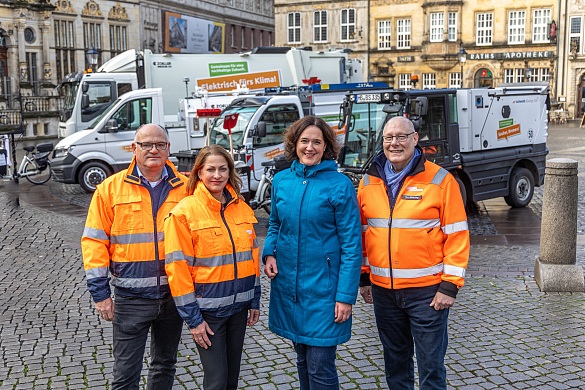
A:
[123,244]
[416,248]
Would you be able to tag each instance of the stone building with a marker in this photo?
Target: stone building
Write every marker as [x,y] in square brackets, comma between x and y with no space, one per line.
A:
[505,41]
[323,26]
[43,41]
[572,59]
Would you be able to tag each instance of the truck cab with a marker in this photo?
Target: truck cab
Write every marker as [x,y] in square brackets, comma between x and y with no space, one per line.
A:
[89,156]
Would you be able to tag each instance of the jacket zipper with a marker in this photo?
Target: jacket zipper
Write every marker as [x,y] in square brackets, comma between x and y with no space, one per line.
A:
[222,213]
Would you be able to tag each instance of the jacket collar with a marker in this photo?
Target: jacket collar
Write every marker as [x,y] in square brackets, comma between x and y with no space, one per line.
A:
[202,193]
[307,171]
[173,178]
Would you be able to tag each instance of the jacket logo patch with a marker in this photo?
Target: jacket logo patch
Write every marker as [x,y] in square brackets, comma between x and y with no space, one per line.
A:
[412,197]
[414,189]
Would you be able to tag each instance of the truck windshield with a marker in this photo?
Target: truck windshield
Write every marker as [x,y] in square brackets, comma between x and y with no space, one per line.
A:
[218,135]
[365,134]
[69,92]
[103,114]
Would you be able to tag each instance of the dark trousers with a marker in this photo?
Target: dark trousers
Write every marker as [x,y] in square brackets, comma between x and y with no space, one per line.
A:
[406,322]
[221,361]
[133,318]
[316,367]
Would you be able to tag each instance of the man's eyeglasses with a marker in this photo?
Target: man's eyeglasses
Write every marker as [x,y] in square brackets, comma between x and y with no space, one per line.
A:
[400,138]
[149,145]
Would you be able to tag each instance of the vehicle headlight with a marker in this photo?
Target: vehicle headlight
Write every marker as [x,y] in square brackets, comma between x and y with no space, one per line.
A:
[62,151]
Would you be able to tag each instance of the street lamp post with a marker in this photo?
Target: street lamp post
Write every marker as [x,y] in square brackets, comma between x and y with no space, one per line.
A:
[92,57]
[462,57]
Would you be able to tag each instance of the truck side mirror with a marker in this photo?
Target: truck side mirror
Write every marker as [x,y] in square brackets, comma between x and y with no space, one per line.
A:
[112,126]
[84,87]
[421,105]
[84,101]
[260,129]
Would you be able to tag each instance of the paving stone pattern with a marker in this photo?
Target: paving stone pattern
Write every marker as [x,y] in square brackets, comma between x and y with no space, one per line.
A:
[504,333]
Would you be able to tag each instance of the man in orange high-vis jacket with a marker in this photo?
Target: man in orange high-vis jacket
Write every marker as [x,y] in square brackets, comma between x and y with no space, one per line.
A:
[123,240]
[416,248]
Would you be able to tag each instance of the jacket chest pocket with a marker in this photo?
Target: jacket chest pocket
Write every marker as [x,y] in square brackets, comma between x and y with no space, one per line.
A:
[129,213]
[242,230]
[208,239]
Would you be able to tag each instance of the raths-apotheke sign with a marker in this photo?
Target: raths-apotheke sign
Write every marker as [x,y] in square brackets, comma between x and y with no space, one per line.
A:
[512,55]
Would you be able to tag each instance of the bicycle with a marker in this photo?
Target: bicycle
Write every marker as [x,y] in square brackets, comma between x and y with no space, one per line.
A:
[262,196]
[36,166]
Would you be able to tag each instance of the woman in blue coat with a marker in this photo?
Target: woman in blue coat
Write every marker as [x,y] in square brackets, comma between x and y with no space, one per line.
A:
[313,252]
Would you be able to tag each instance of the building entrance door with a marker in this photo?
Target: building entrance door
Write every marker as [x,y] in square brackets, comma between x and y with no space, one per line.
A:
[483,78]
[581,98]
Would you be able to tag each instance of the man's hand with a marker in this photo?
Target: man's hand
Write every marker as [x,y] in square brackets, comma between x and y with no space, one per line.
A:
[366,292]
[105,309]
[442,301]
[342,312]
[270,268]
[199,335]
[253,316]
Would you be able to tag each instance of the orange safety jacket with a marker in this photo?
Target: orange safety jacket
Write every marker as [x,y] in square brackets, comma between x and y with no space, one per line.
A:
[212,256]
[123,236]
[424,239]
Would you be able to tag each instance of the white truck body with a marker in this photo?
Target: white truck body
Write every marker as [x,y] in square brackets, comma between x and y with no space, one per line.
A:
[493,140]
[88,95]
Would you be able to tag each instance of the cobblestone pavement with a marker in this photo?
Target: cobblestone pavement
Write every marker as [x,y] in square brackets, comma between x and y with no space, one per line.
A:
[504,333]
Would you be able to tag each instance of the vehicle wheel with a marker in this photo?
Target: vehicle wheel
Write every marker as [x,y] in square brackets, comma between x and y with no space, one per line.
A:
[462,189]
[521,188]
[266,198]
[92,174]
[39,178]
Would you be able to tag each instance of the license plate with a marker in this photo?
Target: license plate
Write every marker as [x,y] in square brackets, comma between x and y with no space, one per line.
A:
[368,98]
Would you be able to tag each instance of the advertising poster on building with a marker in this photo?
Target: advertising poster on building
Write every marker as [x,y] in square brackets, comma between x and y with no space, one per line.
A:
[186,34]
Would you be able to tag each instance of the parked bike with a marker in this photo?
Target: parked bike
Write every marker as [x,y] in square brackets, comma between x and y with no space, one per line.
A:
[262,197]
[36,166]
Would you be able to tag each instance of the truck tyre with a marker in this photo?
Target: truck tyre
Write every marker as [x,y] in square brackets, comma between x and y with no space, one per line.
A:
[92,174]
[462,190]
[521,188]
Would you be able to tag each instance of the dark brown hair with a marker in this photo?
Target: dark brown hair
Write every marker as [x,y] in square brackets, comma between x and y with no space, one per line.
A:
[293,133]
[213,150]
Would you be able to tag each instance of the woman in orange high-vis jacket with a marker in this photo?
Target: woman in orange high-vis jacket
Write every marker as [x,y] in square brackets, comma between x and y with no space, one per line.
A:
[212,265]
[416,248]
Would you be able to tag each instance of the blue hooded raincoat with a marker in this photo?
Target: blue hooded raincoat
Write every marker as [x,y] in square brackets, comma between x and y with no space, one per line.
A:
[315,234]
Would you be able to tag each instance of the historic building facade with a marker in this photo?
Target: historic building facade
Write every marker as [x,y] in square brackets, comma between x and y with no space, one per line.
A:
[323,26]
[504,42]
[43,41]
[572,58]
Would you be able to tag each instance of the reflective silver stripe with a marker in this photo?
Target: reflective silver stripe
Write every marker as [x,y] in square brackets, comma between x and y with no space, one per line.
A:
[178,256]
[136,238]
[407,273]
[366,180]
[245,296]
[404,223]
[216,261]
[417,272]
[98,234]
[454,270]
[365,261]
[138,282]
[379,271]
[214,303]
[439,176]
[100,272]
[364,228]
[455,227]
[186,299]
[378,222]
[257,281]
